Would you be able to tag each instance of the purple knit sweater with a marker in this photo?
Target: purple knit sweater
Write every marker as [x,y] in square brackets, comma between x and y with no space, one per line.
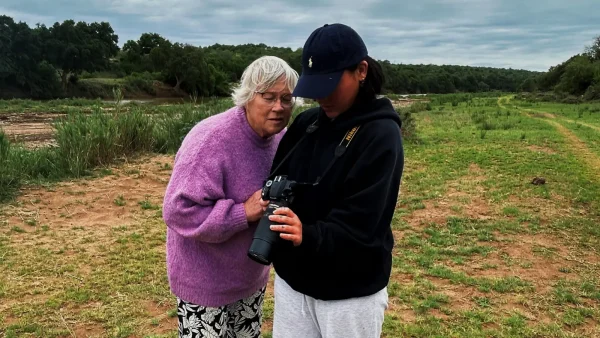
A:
[221,162]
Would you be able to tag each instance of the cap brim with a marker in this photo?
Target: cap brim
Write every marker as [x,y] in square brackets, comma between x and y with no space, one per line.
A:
[317,86]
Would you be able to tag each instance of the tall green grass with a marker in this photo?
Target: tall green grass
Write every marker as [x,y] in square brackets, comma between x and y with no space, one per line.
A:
[9,182]
[169,131]
[88,141]
[18,165]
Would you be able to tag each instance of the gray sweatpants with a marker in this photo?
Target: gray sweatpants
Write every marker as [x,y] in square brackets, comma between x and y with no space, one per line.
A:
[297,315]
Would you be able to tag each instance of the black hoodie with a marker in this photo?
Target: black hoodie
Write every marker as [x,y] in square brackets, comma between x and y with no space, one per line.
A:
[347,243]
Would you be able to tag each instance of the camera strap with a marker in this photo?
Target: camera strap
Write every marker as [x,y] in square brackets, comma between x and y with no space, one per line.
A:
[309,130]
[339,150]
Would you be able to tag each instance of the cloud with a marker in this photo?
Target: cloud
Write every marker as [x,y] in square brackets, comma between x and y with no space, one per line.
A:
[533,35]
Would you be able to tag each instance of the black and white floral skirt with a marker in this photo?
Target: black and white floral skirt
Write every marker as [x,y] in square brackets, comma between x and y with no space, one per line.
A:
[241,319]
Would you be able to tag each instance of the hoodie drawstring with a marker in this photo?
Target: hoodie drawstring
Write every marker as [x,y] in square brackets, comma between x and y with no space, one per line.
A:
[303,301]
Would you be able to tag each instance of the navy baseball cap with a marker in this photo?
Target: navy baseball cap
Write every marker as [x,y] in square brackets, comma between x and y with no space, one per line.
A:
[328,51]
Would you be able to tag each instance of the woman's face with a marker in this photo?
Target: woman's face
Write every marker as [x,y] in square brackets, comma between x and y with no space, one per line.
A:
[344,94]
[269,112]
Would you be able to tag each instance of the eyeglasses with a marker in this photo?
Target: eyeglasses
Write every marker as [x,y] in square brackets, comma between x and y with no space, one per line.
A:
[286,101]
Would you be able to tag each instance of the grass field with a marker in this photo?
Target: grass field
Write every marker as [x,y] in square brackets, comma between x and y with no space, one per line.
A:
[480,250]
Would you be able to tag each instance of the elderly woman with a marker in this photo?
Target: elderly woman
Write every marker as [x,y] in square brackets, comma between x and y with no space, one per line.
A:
[211,205]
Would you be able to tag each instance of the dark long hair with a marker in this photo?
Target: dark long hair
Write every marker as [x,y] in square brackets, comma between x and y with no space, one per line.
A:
[373,83]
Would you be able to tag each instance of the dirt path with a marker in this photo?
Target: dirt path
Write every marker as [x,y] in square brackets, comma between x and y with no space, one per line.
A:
[584,124]
[405,102]
[500,101]
[552,116]
[579,148]
[32,129]
[537,113]
[577,145]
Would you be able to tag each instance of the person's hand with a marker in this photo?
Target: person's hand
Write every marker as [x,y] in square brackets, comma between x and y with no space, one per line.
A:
[290,227]
[264,204]
[253,208]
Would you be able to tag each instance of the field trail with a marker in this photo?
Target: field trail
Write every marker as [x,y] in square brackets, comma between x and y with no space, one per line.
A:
[578,147]
[583,124]
[32,129]
[587,125]
[552,116]
[537,113]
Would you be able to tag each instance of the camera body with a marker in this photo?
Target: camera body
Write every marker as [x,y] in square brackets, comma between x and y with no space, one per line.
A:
[280,193]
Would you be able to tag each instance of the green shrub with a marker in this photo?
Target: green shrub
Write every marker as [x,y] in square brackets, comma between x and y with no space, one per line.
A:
[419,107]
[89,89]
[137,82]
[409,124]
[9,180]
[592,93]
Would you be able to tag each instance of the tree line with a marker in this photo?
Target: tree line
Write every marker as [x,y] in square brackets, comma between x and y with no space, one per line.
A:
[46,62]
[578,76]
[39,60]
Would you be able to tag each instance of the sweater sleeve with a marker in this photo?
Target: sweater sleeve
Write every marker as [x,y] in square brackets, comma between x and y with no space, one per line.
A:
[195,204]
[370,194]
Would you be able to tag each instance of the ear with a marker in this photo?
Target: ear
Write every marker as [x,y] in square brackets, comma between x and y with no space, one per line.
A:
[362,69]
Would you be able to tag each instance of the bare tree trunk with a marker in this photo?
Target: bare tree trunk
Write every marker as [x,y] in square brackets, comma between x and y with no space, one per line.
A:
[177,88]
[64,78]
[179,80]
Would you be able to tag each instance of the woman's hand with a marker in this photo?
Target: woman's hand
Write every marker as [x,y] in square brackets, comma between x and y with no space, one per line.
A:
[264,204]
[253,207]
[290,227]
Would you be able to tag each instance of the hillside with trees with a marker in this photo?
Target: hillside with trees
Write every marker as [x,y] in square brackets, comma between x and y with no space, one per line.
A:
[84,59]
[576,79]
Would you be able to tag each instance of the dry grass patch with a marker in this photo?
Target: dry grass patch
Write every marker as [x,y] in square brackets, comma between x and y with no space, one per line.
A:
[86,257]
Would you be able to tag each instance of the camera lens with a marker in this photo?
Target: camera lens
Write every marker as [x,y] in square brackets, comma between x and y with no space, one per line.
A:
[259,251]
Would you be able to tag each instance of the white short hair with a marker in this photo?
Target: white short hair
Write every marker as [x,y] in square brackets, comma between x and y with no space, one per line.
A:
[260,75]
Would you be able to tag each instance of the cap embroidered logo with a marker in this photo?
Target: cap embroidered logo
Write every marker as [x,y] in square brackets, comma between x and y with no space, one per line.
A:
[310,62]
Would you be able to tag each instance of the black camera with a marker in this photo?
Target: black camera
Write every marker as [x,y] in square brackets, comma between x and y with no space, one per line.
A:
[280,193]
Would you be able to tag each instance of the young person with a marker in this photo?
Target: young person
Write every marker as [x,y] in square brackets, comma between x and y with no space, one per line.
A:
[332,273]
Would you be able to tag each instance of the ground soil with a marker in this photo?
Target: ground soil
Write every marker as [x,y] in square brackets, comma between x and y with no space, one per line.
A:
[407,102]
[90,203]
[31,129]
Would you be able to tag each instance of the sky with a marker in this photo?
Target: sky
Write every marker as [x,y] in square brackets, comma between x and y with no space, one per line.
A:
[518,34]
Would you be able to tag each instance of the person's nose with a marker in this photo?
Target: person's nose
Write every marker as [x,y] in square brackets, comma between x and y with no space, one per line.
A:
[277,106]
